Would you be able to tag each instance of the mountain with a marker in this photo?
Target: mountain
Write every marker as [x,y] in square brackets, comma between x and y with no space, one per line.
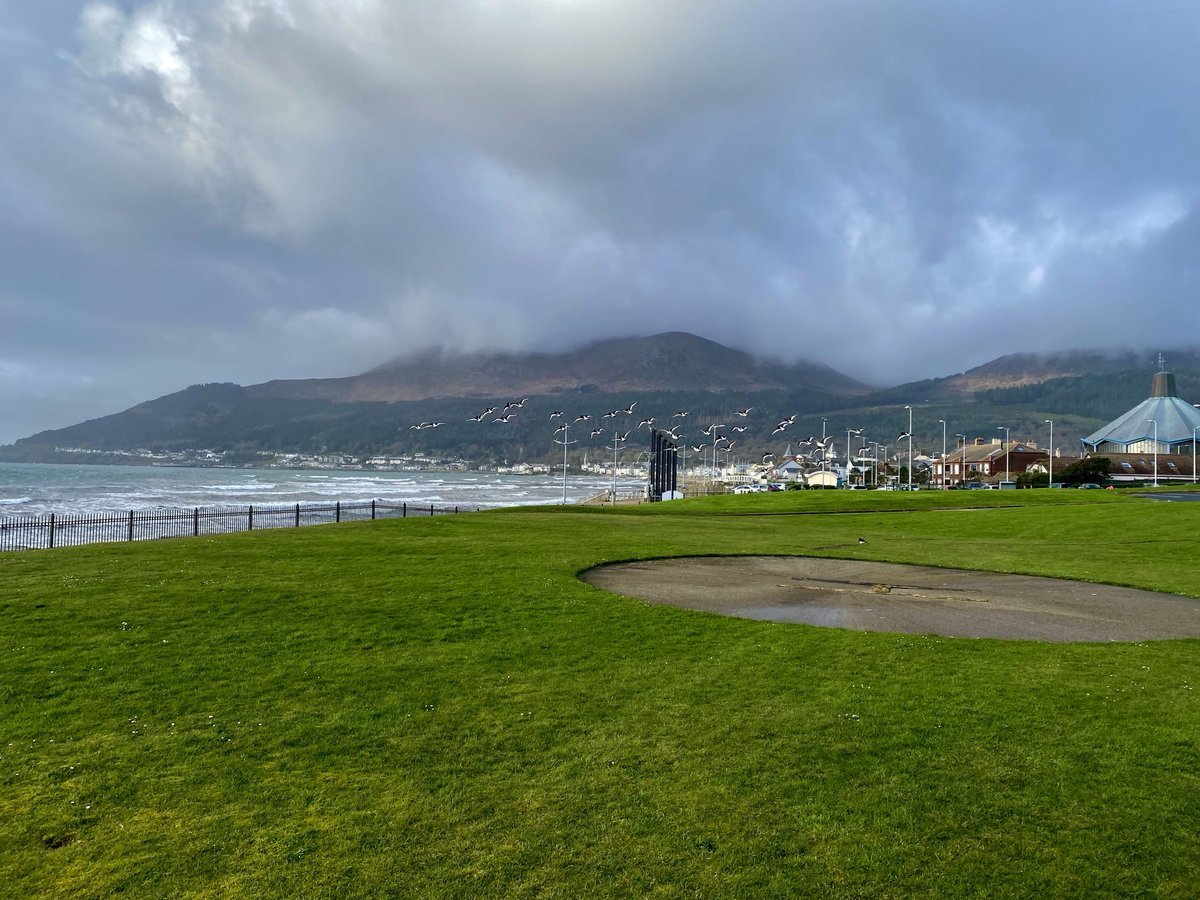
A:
[673,361]
[374,412]
[666,374]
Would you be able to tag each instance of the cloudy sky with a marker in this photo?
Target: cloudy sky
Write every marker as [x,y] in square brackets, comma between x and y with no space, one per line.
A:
[238,190]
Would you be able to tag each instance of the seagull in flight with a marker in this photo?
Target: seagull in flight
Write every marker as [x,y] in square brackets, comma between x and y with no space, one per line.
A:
[478,418]
[745,412]
[738,429]
[629,408]
[596,431]
[680,414]
[557,414]
[582,418]
[505,418]
[649,422]
[611,414]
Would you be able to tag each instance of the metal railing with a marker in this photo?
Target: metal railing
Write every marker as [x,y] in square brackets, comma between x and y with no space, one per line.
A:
[68,530]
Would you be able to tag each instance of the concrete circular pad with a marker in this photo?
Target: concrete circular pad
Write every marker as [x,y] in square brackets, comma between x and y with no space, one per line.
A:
[873,596]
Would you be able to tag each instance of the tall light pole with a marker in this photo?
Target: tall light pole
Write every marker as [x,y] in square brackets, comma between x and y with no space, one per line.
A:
[1005,448]
[943,421]
[1154,422]
[875,479]
[824,456]
[848,457]
[962,460]
[1194,430]
[616,444]
[565,441]
[1050,422]
[909,408]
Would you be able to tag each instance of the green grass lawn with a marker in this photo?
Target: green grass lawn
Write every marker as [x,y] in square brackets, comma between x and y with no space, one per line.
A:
[438,707]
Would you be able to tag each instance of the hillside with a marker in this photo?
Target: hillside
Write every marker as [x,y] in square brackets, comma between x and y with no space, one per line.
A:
[674,361]
[374,413]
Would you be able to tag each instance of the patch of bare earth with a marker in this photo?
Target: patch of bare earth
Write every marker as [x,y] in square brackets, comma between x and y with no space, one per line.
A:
[874,596]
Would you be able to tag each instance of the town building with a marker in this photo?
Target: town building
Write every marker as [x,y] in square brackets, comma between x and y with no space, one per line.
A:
[989,461]
[1156,439]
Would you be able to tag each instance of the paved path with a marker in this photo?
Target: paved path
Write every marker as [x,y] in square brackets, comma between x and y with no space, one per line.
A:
[872,596]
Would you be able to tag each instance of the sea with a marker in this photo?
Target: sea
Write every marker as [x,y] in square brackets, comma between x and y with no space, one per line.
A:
[33,489]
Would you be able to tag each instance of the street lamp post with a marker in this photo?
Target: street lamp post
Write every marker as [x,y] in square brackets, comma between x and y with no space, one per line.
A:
[909,408]
[848,460]
[1154,422]
[565,441]
[962,460]
[1194,430]
[1050,422]
[616,444]
[943,421]
[1005,448]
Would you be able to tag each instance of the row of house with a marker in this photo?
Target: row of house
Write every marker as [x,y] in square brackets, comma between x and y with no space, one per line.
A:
[1157,439]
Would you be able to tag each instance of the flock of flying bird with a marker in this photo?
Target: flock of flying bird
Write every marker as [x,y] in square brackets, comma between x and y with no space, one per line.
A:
[821,446]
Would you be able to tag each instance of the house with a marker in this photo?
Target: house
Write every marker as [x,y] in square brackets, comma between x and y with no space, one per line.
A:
[988,461]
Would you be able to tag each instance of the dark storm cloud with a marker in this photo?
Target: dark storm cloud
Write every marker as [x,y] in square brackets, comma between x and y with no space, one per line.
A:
[247,189]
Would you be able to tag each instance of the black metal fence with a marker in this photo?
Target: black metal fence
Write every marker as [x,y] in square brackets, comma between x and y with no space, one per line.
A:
[56,530]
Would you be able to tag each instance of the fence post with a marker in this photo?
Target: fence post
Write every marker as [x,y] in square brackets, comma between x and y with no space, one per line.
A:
[337,511]
[431,509]
[297,515]
[131,524]
[404,510]
[51,531]
[250,518]
[196,522]
[372,510]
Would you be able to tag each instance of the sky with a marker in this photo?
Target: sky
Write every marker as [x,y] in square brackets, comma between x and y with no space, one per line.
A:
[241,190]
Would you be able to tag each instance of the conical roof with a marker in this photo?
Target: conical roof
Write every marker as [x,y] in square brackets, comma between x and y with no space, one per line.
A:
[1174,417]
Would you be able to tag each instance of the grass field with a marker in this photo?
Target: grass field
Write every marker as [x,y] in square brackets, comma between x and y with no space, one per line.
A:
[438,707]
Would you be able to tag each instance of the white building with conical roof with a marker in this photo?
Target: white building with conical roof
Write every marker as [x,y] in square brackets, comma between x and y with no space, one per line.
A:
[1162,424]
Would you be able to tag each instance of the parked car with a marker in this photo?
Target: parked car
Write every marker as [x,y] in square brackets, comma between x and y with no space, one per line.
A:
[1089,486]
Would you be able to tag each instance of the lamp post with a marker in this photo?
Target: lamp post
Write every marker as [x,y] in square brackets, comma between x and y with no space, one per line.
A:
[909,408]
[565,441]
[962,460]
[1050,422]
[616,444]
[1194,430]
[824,456]
[943,421]
[875,478]
[1154,422]
[848,461]
[1005,448]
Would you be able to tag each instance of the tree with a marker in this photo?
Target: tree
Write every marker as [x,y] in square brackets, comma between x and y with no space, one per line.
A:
[1092,469]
